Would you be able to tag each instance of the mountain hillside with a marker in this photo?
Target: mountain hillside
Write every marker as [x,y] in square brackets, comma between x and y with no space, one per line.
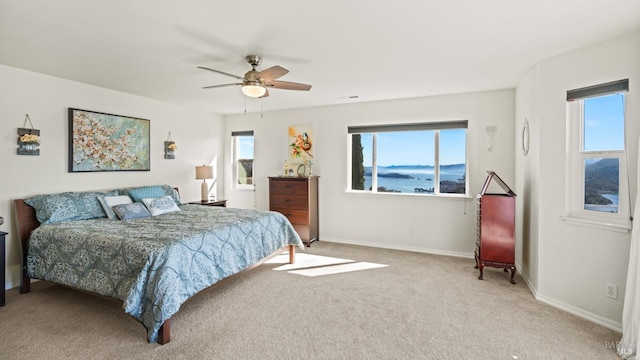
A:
[601,177]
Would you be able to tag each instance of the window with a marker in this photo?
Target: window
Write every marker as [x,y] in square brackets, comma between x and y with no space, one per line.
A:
[597,182]
[242,142]
[422,158]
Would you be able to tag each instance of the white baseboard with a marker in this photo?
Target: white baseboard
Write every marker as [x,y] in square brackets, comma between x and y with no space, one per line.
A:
[12,283]
[587,315]
[399,247]
[527,281]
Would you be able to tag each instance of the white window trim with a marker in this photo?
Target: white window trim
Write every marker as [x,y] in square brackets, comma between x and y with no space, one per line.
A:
[575,214]
[234,166]
[436,171]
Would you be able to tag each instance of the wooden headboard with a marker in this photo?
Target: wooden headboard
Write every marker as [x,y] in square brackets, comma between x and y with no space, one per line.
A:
[26,221]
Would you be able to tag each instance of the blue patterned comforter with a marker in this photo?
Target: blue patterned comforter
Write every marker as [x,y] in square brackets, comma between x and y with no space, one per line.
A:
[155,264]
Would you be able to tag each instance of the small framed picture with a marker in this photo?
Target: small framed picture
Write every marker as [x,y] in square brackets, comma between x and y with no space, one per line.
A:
[302,170]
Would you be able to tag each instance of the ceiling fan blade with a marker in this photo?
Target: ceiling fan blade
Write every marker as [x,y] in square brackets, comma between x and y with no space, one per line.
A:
[221,72]
[266,93]
[272,73]
[288,85]
[222,85]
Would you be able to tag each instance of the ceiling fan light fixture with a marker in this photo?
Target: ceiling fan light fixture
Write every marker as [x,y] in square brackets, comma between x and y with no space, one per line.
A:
[253,89]
[254,83]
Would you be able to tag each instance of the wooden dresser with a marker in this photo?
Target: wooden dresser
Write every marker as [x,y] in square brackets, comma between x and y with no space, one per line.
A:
[297,199]
[495,244]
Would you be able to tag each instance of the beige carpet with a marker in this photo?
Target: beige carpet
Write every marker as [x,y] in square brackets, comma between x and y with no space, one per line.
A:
[420,306]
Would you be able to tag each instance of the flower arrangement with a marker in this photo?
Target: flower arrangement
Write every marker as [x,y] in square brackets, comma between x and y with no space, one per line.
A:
[170,148]
[29,138]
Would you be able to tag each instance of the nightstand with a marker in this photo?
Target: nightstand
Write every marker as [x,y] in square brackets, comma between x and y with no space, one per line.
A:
[220,203]
[2,274]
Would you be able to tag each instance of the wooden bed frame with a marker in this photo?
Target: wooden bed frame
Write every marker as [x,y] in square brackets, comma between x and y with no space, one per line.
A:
[27,221]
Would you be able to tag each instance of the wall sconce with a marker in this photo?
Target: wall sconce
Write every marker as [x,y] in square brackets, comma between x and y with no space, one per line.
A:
[170,148]
[491,131]
[28,139]
[203,173]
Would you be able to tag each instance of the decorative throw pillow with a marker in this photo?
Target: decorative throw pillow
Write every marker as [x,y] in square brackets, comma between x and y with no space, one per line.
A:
[53,208]
[173,192]
[161,205]
[108,201]
[137,194]
[131,211]
[145,192]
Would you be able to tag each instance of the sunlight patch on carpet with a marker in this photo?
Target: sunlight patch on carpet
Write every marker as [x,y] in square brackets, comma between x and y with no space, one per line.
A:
[316,265]
[305,261]
[337,269]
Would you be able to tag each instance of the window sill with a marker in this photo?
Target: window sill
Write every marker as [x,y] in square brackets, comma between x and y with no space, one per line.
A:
[624,228]
[416,195]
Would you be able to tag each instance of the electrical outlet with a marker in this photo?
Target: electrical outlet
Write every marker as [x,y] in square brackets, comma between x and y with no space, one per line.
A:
[612,291]
[410,232]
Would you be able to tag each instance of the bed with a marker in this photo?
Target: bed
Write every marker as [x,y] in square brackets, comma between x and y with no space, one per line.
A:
[152,264]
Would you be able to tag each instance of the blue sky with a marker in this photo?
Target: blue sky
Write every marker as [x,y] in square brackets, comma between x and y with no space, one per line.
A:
[604,123]
[416,148]
[245,147]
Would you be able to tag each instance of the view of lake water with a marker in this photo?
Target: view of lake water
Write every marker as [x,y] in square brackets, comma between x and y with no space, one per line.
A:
[422,177]
[605,208]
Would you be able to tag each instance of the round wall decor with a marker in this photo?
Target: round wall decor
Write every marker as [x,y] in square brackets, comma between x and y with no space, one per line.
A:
[525,137]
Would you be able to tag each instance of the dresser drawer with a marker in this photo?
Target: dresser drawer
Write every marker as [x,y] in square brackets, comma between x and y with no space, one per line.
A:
[303,231]
[289,202]
[288,187]
[295,216]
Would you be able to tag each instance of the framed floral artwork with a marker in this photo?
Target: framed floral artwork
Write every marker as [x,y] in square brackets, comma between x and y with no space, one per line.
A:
[107,142]
[300,144]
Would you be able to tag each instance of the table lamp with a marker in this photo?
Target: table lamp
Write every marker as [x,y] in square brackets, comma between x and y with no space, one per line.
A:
[204,172]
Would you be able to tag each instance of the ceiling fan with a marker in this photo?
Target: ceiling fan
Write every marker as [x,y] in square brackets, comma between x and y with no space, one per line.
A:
[255,83]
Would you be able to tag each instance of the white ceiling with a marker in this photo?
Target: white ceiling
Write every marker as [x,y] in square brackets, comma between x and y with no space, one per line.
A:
[376,50]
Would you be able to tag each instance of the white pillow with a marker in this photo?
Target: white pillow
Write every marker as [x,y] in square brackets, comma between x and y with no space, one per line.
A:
[109,201]
[160,205]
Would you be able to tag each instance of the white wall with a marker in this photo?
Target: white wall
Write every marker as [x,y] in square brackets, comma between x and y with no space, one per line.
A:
[528,177]
[46,99]
[569,265]
[439,225]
